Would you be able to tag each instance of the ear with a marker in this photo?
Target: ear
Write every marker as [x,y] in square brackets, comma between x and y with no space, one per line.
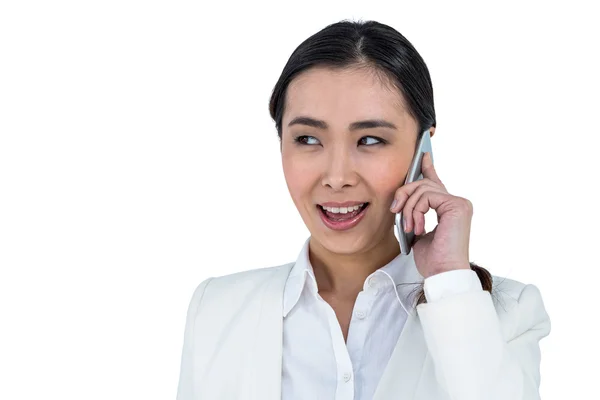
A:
[431,131]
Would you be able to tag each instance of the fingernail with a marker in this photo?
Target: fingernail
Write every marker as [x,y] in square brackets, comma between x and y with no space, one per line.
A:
[393,204]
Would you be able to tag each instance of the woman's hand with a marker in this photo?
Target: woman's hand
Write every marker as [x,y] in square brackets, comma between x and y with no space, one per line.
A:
[446,247]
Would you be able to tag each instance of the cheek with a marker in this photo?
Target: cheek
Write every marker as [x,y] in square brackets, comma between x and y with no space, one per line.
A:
[386,187]
[298,180]
[387,177]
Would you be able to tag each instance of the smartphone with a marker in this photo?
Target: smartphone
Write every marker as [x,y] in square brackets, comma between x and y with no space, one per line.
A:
[414,173]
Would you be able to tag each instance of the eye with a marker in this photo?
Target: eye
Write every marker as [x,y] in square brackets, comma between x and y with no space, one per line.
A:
[302,140]
[379,141]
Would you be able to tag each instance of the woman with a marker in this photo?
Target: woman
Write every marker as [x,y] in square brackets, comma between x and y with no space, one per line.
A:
[352,317]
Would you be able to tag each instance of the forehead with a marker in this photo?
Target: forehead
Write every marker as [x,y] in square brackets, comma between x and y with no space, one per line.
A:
[344,95]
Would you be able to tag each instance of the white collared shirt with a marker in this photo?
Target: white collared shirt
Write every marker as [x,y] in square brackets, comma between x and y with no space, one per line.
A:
[317,363]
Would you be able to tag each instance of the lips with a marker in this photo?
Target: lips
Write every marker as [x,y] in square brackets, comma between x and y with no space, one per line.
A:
[343,223]
[342,217]
[344,204]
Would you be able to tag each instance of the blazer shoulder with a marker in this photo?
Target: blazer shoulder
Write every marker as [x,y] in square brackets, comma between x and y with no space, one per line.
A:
[510,290]
[506,288]
[251,274]
[240,285]
[519,306]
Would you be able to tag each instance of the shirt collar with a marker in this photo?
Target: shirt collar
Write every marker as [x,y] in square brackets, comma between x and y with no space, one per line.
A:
[401,272]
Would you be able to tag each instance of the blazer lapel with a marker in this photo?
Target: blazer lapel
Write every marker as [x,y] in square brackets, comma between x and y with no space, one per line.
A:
[263,379]
[402,374]
[405,367]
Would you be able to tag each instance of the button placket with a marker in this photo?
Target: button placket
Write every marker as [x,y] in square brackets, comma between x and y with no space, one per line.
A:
[372,282]
[374,285]
[347,376]
[340,351]
[361,307]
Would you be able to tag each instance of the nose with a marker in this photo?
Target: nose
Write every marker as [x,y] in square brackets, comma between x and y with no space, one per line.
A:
[340,170]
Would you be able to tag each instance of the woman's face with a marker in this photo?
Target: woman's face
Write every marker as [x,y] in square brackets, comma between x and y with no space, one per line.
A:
[334,163]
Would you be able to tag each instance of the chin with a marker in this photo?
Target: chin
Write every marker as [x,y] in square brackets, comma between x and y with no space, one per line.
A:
[341,243]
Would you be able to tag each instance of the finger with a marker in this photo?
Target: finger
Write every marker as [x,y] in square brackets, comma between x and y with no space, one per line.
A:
[419,218]
[428,170]
[408,210]
[403,193]
[407,197]
[419,224]
[418,213]
[419,221]
[439,201]
[408,206]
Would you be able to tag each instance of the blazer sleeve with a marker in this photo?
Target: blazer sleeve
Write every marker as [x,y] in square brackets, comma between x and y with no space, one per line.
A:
[472,359]
[185,388]
[449,283]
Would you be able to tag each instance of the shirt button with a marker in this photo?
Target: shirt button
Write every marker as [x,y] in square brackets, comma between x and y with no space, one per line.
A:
[360,314]
[347,376]
[372,282]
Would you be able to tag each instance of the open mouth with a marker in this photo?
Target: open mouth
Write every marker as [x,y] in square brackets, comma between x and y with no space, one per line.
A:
[340,217]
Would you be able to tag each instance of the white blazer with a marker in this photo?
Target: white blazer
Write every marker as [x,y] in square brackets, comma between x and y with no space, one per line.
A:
[468,346]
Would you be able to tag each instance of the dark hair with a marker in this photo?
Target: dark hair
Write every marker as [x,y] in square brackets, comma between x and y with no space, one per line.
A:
[384,51]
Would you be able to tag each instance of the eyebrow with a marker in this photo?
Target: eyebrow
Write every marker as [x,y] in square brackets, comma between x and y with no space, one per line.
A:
[366,124]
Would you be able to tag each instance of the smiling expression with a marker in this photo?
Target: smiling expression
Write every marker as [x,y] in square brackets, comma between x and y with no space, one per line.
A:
[346,136]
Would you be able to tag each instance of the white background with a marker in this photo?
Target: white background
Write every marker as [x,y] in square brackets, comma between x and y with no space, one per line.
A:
[137,158]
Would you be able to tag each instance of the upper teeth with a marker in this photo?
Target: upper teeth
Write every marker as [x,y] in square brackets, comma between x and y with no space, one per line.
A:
[343,210]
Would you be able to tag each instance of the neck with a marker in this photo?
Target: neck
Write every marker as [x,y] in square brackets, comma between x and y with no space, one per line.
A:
[343,275]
